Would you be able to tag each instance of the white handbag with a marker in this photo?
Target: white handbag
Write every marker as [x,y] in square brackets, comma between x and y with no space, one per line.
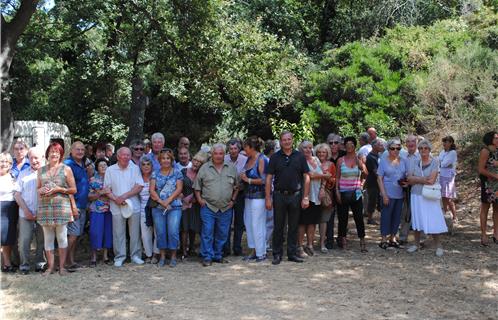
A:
[431,191]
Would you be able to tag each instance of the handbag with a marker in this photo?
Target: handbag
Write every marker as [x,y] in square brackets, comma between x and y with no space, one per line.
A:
[431,191]
[325,197]
[151,203]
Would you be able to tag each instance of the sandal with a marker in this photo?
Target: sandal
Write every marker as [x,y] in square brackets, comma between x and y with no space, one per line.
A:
[383,245]
[309,251]
[393,244]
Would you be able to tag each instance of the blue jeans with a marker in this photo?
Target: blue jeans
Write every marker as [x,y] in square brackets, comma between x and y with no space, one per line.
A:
[214,232]
[167,227]
[390,217]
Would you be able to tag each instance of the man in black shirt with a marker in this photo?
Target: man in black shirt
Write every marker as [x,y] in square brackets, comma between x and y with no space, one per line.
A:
[371,185]
[291,190]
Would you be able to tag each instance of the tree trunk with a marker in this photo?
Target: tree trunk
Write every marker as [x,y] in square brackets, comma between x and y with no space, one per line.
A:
[137,110]
[11,31]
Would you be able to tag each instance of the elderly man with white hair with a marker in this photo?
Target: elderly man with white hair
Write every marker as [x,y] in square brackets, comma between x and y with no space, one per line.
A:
[27,198]
[124,182]
[216,188]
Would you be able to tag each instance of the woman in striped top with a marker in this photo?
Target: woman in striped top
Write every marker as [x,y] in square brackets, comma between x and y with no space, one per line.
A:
[349,195]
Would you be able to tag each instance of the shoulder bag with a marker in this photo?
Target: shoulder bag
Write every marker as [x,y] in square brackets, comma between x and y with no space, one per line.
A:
[431,191]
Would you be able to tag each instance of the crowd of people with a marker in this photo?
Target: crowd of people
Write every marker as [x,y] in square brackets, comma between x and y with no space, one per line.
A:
[150,203]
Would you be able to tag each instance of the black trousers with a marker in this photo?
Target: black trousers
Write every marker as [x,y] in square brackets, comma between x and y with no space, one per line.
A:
[329,243]
[285,206]
[343,215]
[238,226]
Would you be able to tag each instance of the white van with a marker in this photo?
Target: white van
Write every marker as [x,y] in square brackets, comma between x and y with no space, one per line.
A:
[42,133]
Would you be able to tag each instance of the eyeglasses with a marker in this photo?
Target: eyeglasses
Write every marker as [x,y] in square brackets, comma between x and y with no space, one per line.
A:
[395,148]
[138,149]
[423,148]
[334,142]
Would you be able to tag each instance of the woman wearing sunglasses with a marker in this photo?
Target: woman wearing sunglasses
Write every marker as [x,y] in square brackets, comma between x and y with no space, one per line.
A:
[427,215]
[391,177]
[137,151]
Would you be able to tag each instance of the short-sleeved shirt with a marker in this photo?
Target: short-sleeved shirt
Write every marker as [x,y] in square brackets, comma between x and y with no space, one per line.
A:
[101,204]
[364,150]
[216,187]
[391,174]
[372,164]
[423,171]
[15,171]
[7,187]
[166,185]
[81,180]
[180,166]
[27,186]
[122,180]
[156,166]
[239,163]
[288,170]
[412,161]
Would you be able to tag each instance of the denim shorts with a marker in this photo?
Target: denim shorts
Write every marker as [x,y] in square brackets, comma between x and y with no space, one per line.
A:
[77,227]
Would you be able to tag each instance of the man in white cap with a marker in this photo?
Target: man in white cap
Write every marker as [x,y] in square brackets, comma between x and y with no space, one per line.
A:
[124,183]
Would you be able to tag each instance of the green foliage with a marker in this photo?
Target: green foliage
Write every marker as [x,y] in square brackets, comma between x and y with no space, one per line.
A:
[304,130]
[412,79]
[218,68]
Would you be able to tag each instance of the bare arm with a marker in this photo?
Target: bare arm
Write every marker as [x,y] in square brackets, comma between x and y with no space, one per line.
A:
[198,196]
[268,184]
[306,201]
[152,190]
[173,196]
[483,158]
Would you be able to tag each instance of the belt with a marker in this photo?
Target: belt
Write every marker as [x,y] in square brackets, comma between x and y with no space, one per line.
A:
[288,192]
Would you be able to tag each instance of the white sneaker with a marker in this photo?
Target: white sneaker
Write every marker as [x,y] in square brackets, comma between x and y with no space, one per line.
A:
[137,260]
[412,249]
[118,263]
[439,252]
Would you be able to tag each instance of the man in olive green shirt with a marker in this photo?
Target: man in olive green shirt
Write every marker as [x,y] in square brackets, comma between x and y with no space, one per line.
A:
[216,190]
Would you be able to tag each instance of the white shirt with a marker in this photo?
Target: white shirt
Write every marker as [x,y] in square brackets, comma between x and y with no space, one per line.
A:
[27,185]
[239,163]
[180,167]
[364,150]
[121,181]
[448,161]
[7,187]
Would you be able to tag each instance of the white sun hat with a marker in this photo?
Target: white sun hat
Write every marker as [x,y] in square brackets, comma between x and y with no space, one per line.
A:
[126,209]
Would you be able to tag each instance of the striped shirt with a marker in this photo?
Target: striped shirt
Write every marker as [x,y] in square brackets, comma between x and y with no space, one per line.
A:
[350,178]
[27,185]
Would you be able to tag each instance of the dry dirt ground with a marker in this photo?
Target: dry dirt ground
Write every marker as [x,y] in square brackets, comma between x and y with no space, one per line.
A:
[391,284]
